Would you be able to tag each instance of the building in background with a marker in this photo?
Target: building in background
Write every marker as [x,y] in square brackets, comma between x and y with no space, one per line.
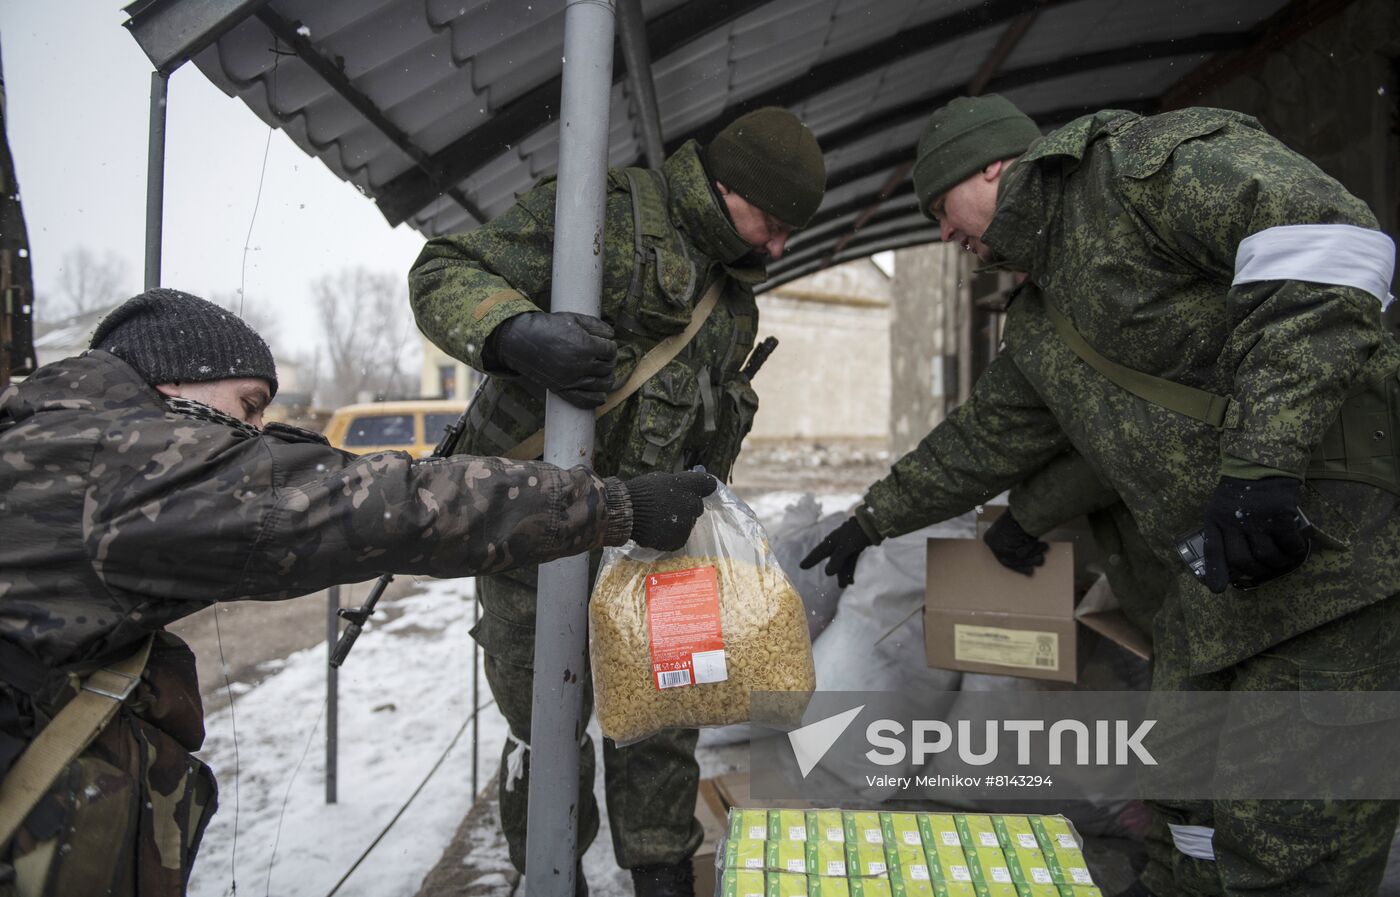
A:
[445,377]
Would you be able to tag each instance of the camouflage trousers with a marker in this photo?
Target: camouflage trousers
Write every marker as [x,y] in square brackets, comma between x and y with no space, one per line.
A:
[650,785]
[126,817]
[1280,848]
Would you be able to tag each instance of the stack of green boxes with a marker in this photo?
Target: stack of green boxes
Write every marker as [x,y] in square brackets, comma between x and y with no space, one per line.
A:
[836,853]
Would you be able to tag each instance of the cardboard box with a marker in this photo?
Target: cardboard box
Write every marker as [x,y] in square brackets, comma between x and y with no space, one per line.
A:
[712,802]
[733,791]
[980,617]
[713,813]
[1014,625]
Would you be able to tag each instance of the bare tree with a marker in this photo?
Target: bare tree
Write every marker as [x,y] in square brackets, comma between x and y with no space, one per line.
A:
[87,283]
[366,321]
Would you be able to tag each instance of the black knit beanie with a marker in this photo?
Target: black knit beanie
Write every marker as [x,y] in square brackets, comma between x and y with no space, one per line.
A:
[772,160]
[173,337]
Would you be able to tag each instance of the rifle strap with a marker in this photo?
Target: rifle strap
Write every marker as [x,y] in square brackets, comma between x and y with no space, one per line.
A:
[1197,404]
[657,358]
[1361,445]
[66,736]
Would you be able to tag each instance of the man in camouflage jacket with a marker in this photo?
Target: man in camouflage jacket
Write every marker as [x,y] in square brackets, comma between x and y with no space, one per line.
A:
[1061,491]
[709,219]
[1168,244]
[136,488]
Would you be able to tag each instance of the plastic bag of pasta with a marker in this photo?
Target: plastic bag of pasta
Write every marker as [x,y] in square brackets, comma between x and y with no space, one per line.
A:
[679,639]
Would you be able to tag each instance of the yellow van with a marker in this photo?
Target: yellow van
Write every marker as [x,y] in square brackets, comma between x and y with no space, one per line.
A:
[414,426]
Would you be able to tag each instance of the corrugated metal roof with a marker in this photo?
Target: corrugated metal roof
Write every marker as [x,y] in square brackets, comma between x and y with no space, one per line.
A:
[442,110]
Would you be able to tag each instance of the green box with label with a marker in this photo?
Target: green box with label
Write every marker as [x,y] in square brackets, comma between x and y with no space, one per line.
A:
[826,825]
[901,828]
[787,825]
[828,886]
[909,861]
[988,867]
[786,856]
[943,848]
[1053,832]
[787,884]
[1022,849]
[863,827]
[748,824]
[976,830]
[745,854]
[742,883]
[864,859]
[826,858]
[902,886]
[1067,866]
[871,887]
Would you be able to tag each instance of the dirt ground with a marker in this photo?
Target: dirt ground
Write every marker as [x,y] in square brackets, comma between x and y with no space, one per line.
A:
[847,466]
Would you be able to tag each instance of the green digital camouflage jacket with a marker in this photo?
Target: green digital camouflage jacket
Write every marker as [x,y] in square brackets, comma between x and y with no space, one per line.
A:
[119,515]
[698,408]
[1069,487]
[1129,225]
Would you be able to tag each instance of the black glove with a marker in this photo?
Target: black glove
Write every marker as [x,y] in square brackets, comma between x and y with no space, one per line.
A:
[665,507]
[1254,532]
[843,545]
[1015,548]
[571,355]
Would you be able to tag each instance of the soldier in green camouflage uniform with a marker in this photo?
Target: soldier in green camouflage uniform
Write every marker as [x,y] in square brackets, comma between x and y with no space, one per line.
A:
[710,218]
[125,504]
[1067,488]
[1134,229]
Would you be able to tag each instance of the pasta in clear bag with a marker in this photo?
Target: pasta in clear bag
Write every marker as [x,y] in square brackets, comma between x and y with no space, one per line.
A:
[679,639]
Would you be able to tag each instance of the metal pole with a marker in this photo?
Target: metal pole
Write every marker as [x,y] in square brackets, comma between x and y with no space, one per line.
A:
[632,32]
[476,689]
[155,178]
[562,608]
[332,691]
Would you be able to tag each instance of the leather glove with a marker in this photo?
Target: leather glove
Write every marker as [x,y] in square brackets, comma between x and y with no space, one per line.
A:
[1014,548]
[1254,532]
[843,546]
[665,507]
[569,354]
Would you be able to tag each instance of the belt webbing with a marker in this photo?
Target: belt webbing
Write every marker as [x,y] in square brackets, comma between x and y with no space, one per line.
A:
[65,737]
[1197,404]
[660,355]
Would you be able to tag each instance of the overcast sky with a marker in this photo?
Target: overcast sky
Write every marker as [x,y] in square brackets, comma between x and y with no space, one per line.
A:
[78,98]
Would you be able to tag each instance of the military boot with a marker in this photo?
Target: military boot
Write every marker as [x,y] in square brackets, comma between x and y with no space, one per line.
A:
[664,880]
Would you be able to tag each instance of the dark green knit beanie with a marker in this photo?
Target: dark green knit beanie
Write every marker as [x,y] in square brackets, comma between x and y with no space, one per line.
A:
[772,160]
[965,136]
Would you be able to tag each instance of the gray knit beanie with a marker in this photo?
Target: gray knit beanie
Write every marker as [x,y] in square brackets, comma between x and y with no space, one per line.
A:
[172,337]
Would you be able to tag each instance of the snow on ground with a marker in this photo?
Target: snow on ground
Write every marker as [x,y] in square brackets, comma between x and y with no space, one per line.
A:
[404,692]
[769,506]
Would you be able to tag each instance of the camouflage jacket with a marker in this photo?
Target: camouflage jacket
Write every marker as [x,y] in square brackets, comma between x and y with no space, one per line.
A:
[118,516]
[1068,487]
[1129,225]
[698,408]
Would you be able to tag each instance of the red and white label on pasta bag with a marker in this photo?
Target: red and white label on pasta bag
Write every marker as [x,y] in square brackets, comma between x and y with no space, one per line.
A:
[687,647]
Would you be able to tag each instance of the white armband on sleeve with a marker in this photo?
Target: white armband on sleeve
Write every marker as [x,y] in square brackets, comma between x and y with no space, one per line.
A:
[1340,254]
